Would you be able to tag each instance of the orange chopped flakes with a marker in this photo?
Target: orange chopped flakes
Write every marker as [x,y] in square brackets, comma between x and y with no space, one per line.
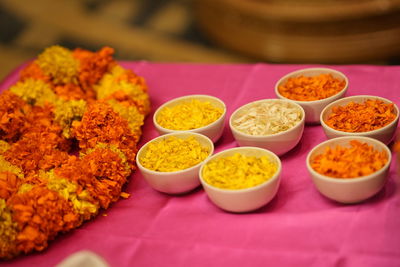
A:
[304,88]
[125,195]
[361,117]
[360,159]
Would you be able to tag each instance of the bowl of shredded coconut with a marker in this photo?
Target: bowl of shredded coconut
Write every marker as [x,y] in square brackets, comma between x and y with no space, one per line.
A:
[273,124]
[203,114]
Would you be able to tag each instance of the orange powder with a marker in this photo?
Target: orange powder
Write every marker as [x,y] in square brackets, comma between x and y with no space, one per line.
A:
[358,160]
[312,88]
[361,117]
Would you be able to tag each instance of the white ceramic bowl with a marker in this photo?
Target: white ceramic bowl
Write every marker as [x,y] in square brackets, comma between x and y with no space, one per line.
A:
[249,199]
[278,143]
[351,190]
[176,182]
[384,134]
[313,108]
[213,130]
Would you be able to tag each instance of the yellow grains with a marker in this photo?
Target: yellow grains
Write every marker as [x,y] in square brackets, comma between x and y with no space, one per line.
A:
[238,171]
[173,154]
[188,115]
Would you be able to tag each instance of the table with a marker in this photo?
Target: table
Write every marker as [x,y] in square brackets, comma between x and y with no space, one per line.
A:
[299,227]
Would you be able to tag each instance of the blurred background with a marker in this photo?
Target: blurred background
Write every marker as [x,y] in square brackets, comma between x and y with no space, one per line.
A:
[206,31]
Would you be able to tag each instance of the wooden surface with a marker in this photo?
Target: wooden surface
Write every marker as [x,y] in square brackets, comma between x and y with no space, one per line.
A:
[138,30]
[205,31]
[354,31]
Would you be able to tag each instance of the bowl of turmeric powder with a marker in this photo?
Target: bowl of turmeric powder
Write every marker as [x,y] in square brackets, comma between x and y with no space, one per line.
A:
[313,89]
[349,169]
[241,179]
[170,163]
[203,114]
[362,115]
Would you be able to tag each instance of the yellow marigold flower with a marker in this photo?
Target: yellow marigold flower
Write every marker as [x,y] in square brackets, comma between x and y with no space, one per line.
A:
[173,154]
[59,63]
[24,188]
[110,84]
[8,232]
[4,146]
[238,171]
[34,92]
[6,166]
[130,113]
[188,115]
[66,112]
[68,190]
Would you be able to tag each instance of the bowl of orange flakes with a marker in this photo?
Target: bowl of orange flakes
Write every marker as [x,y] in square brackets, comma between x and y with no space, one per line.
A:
[312,89]
[363,115]
[349,169]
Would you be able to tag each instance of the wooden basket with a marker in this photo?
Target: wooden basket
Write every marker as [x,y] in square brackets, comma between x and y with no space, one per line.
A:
[324,31]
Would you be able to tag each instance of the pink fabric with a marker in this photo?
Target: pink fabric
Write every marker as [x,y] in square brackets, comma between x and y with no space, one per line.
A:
[298,228]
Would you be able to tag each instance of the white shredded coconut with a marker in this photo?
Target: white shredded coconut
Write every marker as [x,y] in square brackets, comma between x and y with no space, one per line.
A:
[267,117]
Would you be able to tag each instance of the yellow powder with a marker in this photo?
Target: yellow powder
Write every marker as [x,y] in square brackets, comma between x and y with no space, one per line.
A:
[238,171]
[173,154]
[188,115]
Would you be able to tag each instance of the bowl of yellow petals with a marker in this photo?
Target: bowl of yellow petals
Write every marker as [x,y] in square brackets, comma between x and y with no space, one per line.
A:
[202,114]
[241,179]
[170,163]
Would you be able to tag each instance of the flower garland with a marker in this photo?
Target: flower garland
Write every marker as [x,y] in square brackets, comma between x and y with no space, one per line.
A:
[63,99]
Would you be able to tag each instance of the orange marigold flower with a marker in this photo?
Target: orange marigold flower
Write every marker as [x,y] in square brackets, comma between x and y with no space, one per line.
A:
[13,112]
[93,65]
[108,174]
[72,91]
[33,71]
[8,184]
[41,214]
[100,124]
[36,150]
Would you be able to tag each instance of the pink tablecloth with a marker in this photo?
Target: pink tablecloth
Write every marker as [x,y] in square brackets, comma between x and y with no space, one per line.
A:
[298,228]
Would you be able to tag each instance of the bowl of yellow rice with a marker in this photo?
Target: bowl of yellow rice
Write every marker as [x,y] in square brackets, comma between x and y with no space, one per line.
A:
[241,179]
[170,163]
[203,114]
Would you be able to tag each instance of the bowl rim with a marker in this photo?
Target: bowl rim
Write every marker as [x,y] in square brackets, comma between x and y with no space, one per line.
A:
[243,190]
[305,70]
[194,96]
[197,135]
[329,107]
[359,179]
[298,124]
